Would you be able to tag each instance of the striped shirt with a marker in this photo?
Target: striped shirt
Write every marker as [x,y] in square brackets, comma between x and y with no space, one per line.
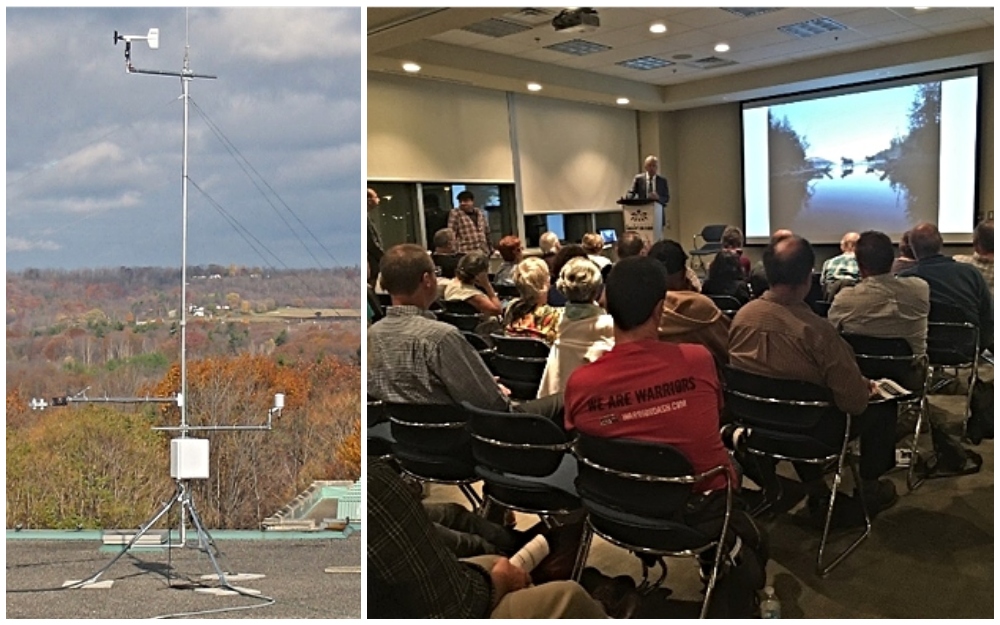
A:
[415,359]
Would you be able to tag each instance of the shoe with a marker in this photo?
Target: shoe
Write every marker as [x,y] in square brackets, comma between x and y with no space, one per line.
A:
[879,495]
[847,512]
[618,596]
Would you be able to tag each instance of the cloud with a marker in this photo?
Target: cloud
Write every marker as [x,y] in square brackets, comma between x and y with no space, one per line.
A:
[16,244]
[289,35]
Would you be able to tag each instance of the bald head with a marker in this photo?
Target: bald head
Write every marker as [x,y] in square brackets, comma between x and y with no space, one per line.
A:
[789,262]
[780,234]
[925,239]
[849,242]
[982,238]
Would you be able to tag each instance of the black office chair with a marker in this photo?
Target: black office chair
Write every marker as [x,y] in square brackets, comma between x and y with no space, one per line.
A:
[635,495]
[431,444]
[782,417]
[482,346]
[728,304]
[893,358]
[384,300]
[952,343]
[506,291]
[711,245]
[462,315]
[525,465]
[519,362]
[820,307]
[379,430]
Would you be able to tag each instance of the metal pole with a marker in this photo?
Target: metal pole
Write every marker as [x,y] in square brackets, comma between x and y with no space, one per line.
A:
[185,80]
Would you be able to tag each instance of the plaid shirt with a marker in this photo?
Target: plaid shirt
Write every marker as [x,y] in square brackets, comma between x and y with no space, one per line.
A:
[410,571]
[415,359]
[472,232]
[984,266]
[843,267]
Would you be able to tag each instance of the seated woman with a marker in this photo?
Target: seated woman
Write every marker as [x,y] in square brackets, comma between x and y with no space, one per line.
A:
[725,277]
[585,330]
[512,253]
[563,256]
[530,315]
[471,284]
[593,244]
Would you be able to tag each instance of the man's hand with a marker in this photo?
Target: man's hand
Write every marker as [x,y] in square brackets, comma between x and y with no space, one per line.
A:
[507,578]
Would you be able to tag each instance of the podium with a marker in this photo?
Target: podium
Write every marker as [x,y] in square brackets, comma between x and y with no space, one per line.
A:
[643,216]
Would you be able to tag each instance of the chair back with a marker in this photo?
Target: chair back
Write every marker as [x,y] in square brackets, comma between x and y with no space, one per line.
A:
[519,362]
[711,236]
[713,233]
[820,307]
[516,443]
[431,442]
[893,358]
[728,304]
[783,415]
[952,340]
[384,299]
[506,291]
[646,479]
[460,314]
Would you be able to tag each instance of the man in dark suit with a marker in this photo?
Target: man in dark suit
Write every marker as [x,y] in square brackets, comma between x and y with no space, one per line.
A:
[375,249]
[650,185]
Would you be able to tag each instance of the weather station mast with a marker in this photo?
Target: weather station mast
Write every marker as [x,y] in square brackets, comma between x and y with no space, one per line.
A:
[189,457]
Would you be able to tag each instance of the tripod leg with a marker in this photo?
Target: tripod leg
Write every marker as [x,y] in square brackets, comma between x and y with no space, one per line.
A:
[203,536]
[142,530]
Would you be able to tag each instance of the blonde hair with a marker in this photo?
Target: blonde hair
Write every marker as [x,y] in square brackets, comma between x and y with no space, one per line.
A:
[592,242]
[549,242]
[531,277]
[579,280]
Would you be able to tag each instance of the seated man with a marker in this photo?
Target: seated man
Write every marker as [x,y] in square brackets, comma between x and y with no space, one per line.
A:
[842,270]
[982,251]
[758,277]
[411,574]
[631,244]
[444,256]
[413,358]
[957,284]
[648,390]
[881,304]
[688,316]
[779,336]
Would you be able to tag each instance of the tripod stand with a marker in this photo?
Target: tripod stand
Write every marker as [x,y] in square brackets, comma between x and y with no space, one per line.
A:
[182,496]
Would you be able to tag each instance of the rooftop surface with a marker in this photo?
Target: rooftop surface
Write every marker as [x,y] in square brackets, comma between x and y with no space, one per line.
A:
[304,576]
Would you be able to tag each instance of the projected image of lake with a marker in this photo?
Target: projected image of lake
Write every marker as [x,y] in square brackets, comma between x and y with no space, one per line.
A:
[856,198]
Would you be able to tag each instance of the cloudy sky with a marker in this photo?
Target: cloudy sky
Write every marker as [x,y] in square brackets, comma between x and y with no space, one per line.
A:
[94,154]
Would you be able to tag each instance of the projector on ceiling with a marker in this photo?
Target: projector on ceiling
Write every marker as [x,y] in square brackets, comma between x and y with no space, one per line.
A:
[576,20]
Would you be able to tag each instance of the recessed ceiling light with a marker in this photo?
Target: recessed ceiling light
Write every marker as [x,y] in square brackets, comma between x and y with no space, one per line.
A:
[534,86]
[722,47]
[411,67]
[622,101]
[658,28]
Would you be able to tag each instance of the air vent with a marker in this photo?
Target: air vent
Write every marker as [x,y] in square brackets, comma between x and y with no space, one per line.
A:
[751,12]
[645,63]
[809,28]
[495,27]
[531,16]
[710,62]
[578,47]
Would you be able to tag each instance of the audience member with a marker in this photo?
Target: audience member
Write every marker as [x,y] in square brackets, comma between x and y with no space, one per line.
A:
[906,258]
[882,305]
[726,277]
[982,251]
[584,332]
[470,225]
[758,276]
[471,284]
[530,315]
[411,574]
[444,256]
[631,244]
[375,251]
[593,244]
[648,390]
[562,257]
[512,253]
[956,284]
[779,336]
[732,241]
[415,359]
[467,534]
[549,244]
[688,316]
[841,270]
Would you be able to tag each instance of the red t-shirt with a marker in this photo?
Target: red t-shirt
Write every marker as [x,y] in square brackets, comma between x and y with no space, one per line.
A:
[657,392]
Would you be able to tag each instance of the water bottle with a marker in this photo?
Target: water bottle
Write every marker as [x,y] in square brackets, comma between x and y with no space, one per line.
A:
[770,607]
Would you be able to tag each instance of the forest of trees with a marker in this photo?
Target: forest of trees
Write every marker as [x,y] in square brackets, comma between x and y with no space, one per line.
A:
[110,332]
